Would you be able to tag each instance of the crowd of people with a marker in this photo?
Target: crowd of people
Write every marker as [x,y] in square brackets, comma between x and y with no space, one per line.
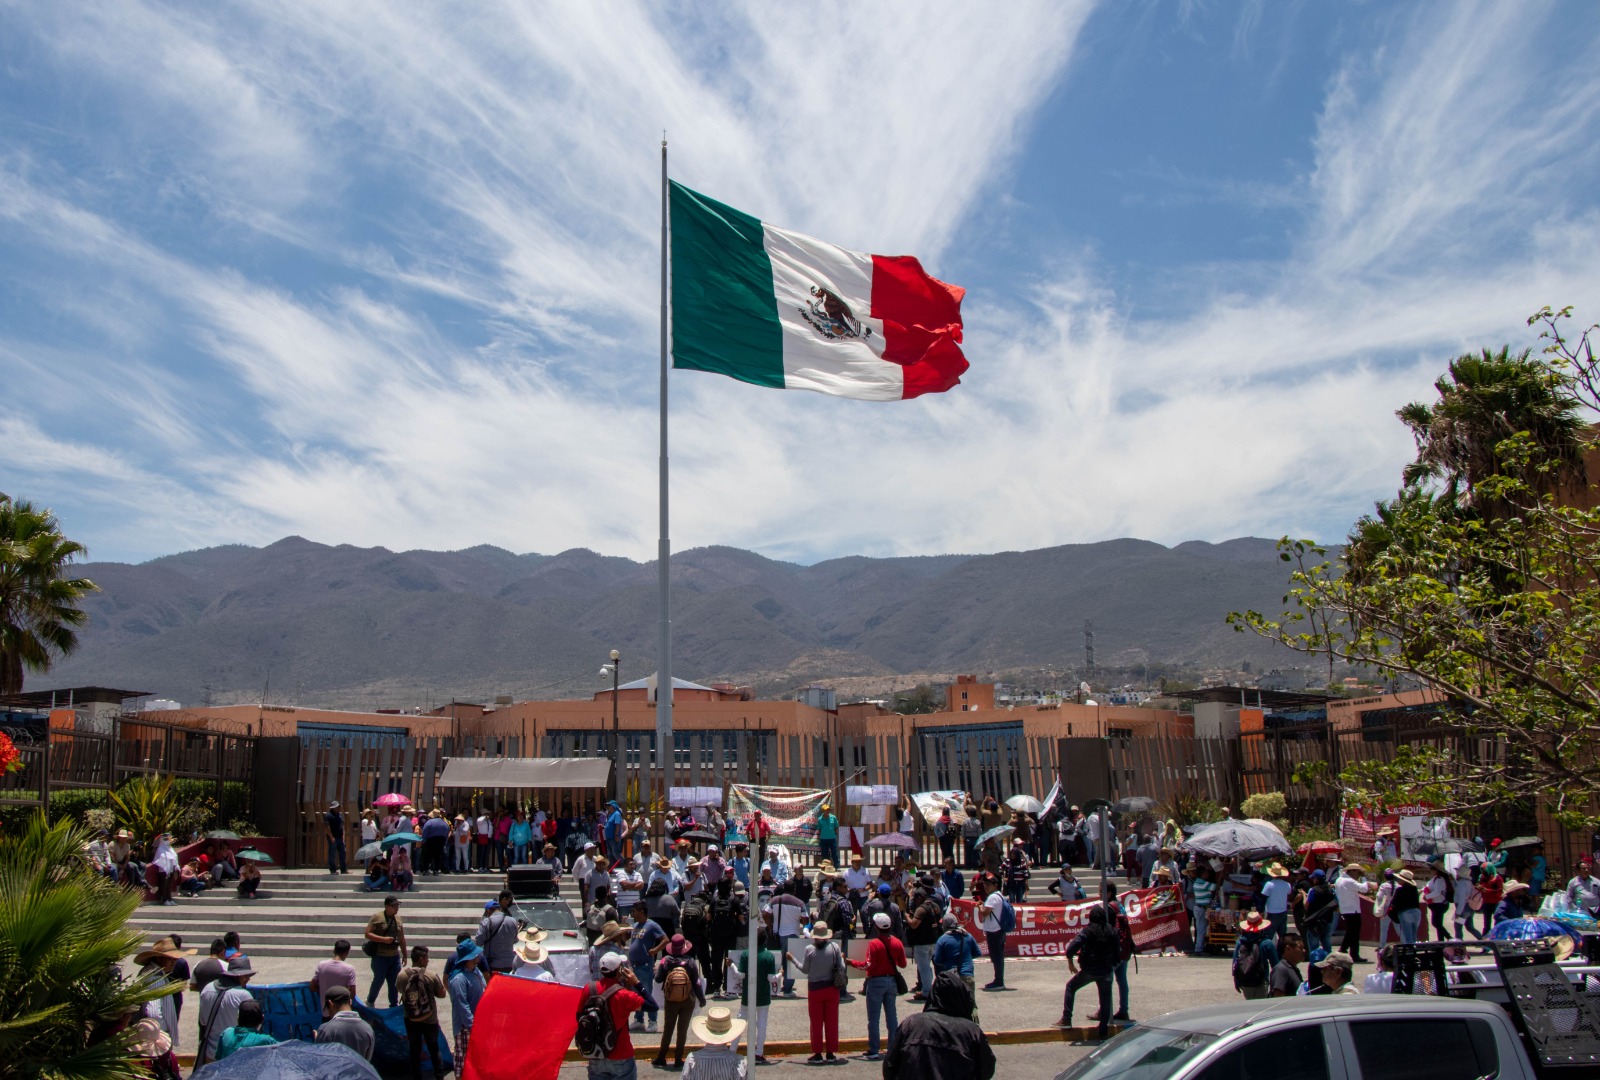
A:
[666,934]
[155,870]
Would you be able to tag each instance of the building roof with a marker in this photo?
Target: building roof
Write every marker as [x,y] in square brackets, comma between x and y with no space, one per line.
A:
[1251,696]
[59,699]
[677,684]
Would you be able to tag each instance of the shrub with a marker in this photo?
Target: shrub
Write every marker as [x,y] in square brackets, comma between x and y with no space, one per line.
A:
[62,930]
[1269,806]
[1189,808]
[147,806]
[73,803]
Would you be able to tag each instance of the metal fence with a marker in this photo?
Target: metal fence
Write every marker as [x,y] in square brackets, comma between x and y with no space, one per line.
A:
[68,759]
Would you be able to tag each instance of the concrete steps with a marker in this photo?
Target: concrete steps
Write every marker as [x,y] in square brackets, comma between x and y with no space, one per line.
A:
[299,913]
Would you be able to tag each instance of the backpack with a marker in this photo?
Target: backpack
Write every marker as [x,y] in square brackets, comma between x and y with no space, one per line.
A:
[417,997]
[696,916]
[724,921]
[597,1033]
[1125,947]
[677,988]
[1249,966]
[1008,916]
[596,920]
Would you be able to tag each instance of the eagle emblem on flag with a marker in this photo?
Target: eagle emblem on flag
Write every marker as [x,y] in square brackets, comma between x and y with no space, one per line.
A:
[831,317]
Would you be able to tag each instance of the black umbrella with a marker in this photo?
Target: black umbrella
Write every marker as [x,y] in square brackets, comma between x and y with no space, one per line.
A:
[700,836]
[1134,804]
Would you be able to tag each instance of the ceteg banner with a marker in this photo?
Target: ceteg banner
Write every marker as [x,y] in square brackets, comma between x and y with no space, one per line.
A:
[791,813]
[1157,917]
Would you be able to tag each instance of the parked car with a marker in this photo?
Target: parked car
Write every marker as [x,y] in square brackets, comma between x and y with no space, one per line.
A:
[553,916]
[1336,1037]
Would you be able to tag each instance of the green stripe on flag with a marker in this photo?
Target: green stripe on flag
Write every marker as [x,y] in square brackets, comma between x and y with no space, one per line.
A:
[724,314]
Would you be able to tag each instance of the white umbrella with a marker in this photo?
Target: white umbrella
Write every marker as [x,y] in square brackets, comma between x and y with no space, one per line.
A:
[1249,839]
[1025,803]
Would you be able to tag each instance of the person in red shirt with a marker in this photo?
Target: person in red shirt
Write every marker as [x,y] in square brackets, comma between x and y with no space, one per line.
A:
[619,1064]
[885,955]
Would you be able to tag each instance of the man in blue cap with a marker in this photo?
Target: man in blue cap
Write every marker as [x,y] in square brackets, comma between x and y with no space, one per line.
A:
[466,988]
[497,935]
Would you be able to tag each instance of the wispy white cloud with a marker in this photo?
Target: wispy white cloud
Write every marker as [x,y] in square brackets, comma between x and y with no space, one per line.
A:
[430,321]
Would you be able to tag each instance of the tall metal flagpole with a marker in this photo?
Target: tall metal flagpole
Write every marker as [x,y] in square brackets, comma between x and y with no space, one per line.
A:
[664,755]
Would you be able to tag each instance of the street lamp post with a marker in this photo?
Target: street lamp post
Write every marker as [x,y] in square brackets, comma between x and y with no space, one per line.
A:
[616,739]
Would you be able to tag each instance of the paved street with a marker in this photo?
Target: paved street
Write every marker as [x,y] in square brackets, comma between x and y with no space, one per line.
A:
[1161,984]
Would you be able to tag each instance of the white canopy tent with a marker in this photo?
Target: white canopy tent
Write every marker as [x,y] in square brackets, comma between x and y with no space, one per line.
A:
[526,773]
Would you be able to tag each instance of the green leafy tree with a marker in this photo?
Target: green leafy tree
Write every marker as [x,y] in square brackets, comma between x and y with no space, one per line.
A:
[39,612]
[63,929]
[1481,580]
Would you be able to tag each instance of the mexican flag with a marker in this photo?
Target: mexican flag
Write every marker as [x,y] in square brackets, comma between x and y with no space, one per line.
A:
[772,307]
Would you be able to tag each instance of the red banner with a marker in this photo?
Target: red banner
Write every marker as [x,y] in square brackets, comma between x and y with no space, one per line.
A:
[1157,916]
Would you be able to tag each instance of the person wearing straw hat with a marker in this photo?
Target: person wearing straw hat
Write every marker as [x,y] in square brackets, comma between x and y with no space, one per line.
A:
[612,938]
[533,959]
[678,975]
[1405,906]
[1255,953]
[826,972]
[160,963]
[1275,893]
[153,1046]
[1513,901]
[718,1030]
[465,988]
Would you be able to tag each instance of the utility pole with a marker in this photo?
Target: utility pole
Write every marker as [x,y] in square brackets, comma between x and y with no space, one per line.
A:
[1088,651]
[616,739]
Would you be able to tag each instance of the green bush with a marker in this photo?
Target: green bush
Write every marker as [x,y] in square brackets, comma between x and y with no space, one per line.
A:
[73,802]
[196,801]
[1269,806]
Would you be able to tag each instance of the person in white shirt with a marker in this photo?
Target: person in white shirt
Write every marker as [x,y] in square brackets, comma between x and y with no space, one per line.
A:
[857,881]
[627,884]
[484,826]
[1350,890]
[583,870]
[995,938]
[220,1001]
[1091,835]
[369,828]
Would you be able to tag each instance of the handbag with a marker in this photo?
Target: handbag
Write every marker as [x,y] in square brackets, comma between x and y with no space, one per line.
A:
[900,987]
[841,972]
[370,948]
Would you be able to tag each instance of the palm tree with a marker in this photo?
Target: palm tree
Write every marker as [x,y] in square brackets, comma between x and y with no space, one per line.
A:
[1484,401]
[63,930]
[39,610]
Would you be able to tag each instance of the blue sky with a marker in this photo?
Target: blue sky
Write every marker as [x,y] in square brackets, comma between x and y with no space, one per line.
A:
[386,274]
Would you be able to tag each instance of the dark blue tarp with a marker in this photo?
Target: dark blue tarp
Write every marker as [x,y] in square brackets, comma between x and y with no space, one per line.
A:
[293,1011]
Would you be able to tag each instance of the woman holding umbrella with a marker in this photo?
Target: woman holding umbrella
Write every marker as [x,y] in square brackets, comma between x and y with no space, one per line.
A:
[400,876]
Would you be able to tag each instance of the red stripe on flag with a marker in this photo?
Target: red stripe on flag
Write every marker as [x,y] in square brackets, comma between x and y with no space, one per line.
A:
[921,323]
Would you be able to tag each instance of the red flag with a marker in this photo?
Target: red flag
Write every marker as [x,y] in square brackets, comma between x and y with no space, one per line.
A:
[507,1044]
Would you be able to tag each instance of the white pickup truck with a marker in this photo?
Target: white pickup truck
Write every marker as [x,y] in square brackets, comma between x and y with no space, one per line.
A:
[1335,1037]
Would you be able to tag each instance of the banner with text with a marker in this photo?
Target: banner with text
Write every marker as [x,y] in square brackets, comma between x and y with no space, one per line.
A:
[791,813]
[1157,917]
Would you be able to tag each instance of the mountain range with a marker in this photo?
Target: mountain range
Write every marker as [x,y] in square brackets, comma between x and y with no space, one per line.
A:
[298,622]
